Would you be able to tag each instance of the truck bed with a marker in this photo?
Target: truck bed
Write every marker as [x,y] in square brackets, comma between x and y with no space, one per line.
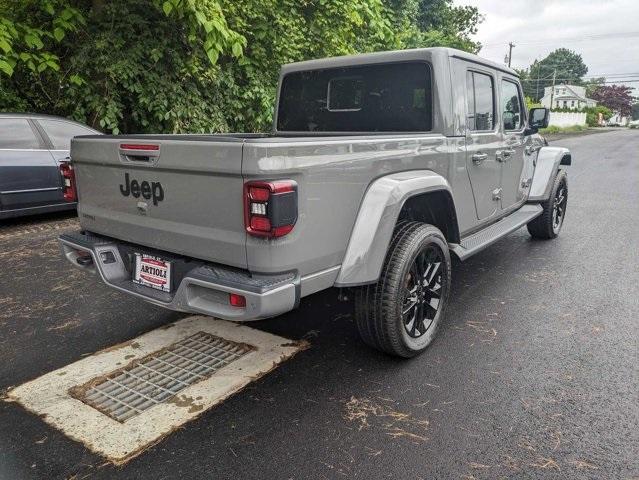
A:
[201,214]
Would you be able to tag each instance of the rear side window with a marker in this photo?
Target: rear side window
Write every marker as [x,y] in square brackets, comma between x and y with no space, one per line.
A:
[17,133]
[511,106]
[60,132]
[372,98]
[481,101]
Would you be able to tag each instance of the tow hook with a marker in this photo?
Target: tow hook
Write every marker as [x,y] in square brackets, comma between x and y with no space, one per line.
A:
[84,260]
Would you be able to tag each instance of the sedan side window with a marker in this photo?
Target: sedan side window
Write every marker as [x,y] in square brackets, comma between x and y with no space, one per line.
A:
[16,133]
[481,101]
[60,133]
[511,105]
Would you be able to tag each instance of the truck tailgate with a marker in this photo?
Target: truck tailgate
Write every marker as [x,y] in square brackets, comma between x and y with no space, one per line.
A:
[182,195]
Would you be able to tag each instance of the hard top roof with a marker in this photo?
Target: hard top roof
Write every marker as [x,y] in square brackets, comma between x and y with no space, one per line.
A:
[392,56]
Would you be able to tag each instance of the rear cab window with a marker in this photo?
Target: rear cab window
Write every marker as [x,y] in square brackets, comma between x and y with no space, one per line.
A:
[371,98]
[16,133]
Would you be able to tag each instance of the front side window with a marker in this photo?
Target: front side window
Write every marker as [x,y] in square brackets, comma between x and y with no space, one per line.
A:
[370,98]
[17,133]
[480,101]
[511,106]
[60,132]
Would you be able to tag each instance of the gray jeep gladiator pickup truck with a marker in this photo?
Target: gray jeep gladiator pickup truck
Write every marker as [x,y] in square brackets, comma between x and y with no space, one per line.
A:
[379,167]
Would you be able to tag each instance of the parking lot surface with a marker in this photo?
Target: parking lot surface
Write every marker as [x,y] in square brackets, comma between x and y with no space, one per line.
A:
[535,373]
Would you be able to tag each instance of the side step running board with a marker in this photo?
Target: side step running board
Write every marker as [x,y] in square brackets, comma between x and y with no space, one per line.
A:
[489,235]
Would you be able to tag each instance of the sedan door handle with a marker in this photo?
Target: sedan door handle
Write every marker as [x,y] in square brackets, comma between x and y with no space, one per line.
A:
[478,158]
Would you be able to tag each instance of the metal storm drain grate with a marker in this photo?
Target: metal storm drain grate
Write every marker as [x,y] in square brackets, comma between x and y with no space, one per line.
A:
[161,375]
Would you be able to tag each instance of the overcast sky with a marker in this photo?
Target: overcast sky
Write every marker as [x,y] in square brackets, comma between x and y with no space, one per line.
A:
[604,32]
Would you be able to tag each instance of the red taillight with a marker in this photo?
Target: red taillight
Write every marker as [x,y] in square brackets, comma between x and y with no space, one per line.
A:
[68,182]
[270,208]
[259,194]
[237,300]
[260,224]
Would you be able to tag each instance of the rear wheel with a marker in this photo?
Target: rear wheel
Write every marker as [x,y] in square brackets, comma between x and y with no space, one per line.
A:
[549,223]
[401,313]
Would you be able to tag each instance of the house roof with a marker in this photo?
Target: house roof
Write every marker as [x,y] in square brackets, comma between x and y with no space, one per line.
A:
[571,95]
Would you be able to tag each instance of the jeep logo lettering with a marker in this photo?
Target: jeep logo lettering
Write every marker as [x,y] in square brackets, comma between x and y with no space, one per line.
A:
[148,190]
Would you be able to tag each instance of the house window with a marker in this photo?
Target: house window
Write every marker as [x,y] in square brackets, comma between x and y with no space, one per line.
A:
[565,103]
[572,103]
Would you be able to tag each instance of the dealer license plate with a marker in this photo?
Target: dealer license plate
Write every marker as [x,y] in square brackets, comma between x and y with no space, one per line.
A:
[152,272]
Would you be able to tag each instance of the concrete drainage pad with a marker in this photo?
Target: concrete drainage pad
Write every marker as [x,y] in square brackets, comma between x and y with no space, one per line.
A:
[123,399]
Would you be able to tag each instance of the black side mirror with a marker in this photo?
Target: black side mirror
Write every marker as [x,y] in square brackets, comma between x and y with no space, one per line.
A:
[537,118]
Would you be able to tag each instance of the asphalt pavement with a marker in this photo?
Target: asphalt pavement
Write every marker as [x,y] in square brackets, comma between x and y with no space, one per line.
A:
[534,374]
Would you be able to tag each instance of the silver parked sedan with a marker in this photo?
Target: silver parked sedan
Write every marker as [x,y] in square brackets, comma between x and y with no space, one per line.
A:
[31,148]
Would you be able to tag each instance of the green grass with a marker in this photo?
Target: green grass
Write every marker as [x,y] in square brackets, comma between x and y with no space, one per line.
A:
[570,129]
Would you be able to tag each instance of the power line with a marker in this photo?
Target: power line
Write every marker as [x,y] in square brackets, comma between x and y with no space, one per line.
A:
[581,38]
[562,79]
[630,74]
[572,79]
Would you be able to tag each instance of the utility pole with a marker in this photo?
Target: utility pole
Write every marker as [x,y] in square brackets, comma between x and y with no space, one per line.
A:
[552,91]
[510,52]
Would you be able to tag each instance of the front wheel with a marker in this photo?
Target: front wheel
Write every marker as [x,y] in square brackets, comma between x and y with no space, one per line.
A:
[549,223]
[401,313]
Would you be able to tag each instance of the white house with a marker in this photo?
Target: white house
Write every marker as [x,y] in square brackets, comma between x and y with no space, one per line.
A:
[567,96]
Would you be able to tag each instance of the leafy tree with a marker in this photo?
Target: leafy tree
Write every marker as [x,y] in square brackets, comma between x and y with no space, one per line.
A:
[567,66]
[617,98]
[592,85]
[457,23]
[194,65]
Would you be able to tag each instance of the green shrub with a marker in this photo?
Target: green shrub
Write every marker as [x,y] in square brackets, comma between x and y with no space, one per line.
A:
[592,115]
[553,129]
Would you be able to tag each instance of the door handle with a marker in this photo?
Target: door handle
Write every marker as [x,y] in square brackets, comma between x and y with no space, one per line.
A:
[503,155]
[478,158]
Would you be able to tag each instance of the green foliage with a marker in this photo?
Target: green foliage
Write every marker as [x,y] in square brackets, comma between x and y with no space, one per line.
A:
[567,110]
[593,84]
[530,103]
[592,115]
[567,66]
[28,40]
[553,129]
[194,65]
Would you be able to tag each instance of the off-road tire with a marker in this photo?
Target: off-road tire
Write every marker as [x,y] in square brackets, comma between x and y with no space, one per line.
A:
[543,227]
[379,306]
